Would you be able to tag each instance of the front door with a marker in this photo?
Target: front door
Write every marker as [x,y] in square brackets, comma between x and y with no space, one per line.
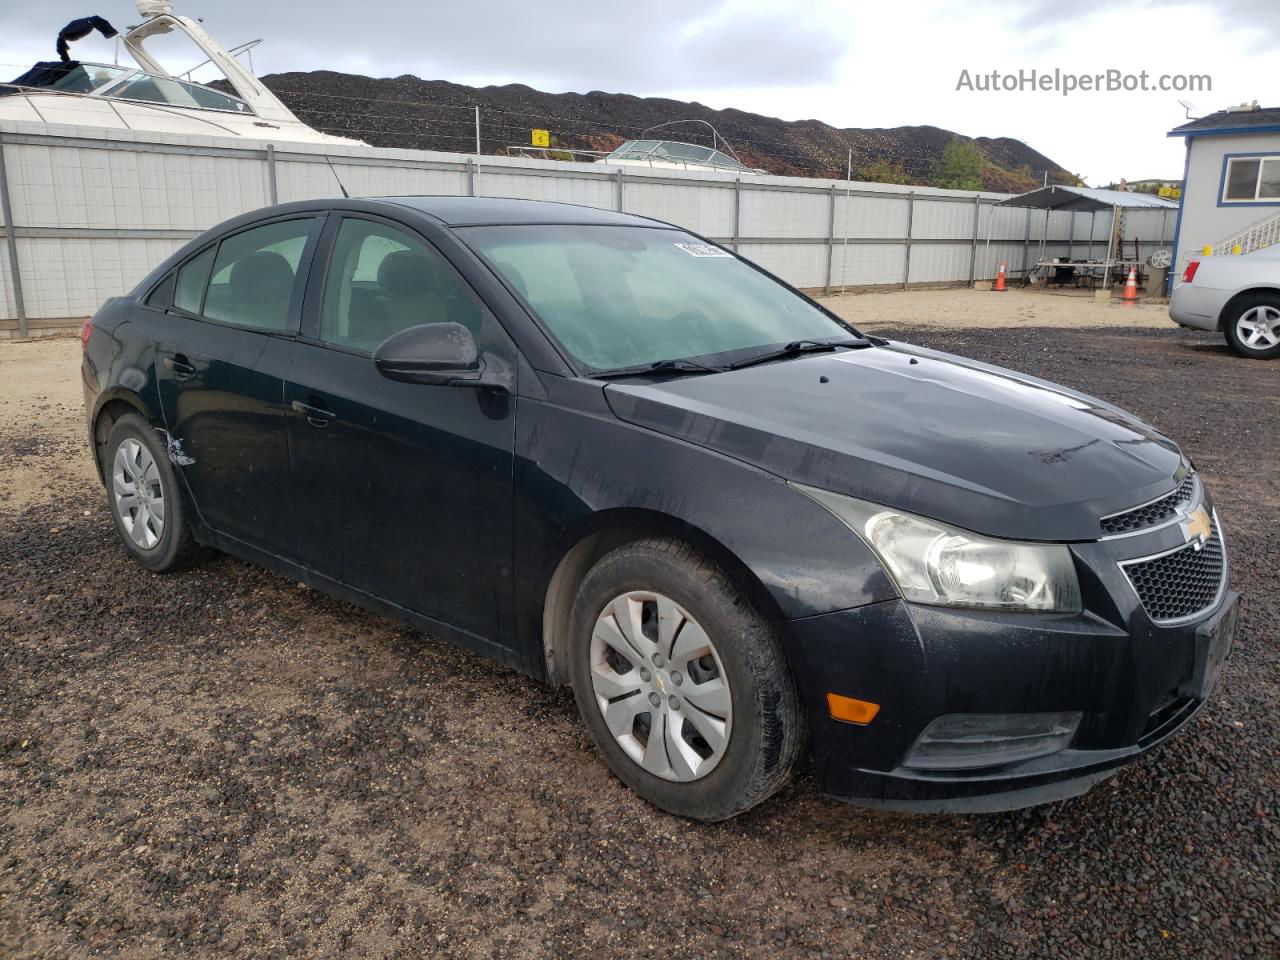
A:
[402,490]
[220,364]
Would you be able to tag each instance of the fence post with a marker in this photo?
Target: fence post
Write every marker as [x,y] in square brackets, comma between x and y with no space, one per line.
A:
[737,211]
[831,238]
[619,179]
[973,244]
[11,241]
[1026,242]
[1044,237]
[272,190]
[471,176]
[911,216]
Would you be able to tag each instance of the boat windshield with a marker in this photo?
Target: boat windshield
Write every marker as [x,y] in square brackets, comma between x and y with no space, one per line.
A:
[673,151]
[72,77]
[122,83]
[175,93]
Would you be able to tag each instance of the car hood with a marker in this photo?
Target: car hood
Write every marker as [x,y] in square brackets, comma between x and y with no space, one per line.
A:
[941,436]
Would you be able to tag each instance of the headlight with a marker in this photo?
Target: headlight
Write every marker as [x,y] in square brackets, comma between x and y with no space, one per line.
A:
[935,563]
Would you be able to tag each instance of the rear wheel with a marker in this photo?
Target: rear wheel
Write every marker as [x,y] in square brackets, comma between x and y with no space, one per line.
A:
[142,493]
[1252,326]
[681,683]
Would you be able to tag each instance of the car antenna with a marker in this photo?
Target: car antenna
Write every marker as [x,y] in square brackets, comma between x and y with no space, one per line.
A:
[345,195]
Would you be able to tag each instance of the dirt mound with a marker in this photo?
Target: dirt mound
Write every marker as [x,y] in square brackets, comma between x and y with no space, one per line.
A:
[412,113]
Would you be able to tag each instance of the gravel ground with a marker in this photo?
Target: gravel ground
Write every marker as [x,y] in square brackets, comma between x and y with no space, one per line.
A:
[222,763]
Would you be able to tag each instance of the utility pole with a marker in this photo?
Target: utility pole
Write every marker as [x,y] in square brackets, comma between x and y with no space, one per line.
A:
[477,131]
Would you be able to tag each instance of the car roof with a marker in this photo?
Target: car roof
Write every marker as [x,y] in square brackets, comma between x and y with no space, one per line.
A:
[482,211]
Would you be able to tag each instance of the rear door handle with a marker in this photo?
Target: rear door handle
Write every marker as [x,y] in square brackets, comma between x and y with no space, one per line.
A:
[182,370]
[316,416]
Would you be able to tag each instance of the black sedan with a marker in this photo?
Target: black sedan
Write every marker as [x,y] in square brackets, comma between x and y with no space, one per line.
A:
[615,455]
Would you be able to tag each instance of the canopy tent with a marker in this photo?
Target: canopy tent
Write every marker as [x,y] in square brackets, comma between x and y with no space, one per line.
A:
[1087,198]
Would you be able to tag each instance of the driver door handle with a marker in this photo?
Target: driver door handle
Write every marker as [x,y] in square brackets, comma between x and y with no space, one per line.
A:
[316,416]
[182,370]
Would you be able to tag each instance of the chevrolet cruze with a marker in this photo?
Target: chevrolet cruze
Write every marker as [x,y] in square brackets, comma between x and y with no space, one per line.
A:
[618,456]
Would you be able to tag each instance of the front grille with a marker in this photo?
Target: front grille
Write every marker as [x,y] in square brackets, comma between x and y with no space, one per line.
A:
[1182,583]
[1151,514]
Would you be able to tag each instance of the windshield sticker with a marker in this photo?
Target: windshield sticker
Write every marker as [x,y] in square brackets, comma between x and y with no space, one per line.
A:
[703,250]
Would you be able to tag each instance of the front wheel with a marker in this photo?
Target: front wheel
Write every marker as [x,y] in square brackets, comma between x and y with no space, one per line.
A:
[682,683]
[142,493]
[1252,326]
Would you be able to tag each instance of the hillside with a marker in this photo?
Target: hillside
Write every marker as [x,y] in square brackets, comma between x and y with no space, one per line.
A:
[437,115]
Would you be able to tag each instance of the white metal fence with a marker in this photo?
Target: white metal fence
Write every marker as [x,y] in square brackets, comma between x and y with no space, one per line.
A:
[94,210]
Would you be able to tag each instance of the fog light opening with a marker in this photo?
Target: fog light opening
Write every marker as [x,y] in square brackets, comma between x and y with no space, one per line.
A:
[968,741]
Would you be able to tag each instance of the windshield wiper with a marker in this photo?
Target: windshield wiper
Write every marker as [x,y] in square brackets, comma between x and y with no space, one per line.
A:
[660,367]
[797,348]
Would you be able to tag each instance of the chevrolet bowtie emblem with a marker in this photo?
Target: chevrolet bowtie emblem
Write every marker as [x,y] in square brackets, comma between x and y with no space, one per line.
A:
[1197,528]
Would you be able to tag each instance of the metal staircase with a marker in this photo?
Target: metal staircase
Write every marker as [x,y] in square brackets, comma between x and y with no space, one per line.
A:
[1264,233]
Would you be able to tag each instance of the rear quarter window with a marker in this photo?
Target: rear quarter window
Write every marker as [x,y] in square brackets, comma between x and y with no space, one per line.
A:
[192,278]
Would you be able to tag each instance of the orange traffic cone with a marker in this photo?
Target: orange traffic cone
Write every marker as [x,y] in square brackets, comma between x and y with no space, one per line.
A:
[999,288]
[1131,286]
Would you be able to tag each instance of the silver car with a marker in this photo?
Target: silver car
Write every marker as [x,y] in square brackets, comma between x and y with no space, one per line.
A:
[1239,295]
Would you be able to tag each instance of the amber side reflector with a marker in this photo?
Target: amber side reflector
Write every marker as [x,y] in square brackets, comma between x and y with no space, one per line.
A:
[850,710]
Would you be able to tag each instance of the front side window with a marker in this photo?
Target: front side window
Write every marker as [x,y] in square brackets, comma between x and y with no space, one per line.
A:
[622,296]
[1251,180]
[254,275]
[382,280]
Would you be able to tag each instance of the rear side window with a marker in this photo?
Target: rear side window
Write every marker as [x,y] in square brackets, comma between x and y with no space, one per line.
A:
[193,277]
[255,275]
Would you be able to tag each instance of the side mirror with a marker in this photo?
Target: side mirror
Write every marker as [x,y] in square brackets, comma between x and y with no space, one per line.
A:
[437,353]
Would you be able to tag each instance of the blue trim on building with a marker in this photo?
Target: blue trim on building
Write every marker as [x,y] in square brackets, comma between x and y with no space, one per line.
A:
[1224,131]
[1222,181]
[1177,226]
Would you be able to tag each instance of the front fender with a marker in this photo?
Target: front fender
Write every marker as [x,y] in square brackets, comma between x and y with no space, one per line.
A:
[578,466]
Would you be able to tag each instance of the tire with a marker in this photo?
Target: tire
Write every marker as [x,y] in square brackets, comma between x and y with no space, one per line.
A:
[154,526]
[754,731]
[1254,317]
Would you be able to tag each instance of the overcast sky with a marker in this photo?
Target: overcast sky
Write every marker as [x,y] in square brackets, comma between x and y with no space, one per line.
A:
[846,63]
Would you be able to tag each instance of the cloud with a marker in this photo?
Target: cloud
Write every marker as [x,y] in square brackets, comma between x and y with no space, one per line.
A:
[562,44]
[1048,20]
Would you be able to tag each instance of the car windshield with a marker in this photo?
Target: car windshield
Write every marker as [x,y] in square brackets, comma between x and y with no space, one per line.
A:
[618,297]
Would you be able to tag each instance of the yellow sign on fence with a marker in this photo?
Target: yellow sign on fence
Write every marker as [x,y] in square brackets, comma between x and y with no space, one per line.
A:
[542,138]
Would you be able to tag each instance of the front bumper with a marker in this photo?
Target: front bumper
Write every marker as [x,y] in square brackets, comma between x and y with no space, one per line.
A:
[1135,682]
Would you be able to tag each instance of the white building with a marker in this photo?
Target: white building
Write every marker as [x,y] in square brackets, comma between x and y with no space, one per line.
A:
[1231,183]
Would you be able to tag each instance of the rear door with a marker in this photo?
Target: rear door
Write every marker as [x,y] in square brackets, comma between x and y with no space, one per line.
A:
[403,490]
[220,365]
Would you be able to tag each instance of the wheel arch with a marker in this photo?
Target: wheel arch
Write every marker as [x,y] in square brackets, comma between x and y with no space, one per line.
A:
[613,528]
[111,407]
[1227,313]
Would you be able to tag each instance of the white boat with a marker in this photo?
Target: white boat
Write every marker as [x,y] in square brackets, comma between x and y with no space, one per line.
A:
[678,155]
[149,97]
[655,154]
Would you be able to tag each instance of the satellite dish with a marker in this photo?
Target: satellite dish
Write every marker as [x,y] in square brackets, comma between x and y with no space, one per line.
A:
[1188,107]
[1160,259]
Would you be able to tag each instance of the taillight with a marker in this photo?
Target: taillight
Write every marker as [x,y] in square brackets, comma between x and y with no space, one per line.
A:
[1190,273]
[85,333]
